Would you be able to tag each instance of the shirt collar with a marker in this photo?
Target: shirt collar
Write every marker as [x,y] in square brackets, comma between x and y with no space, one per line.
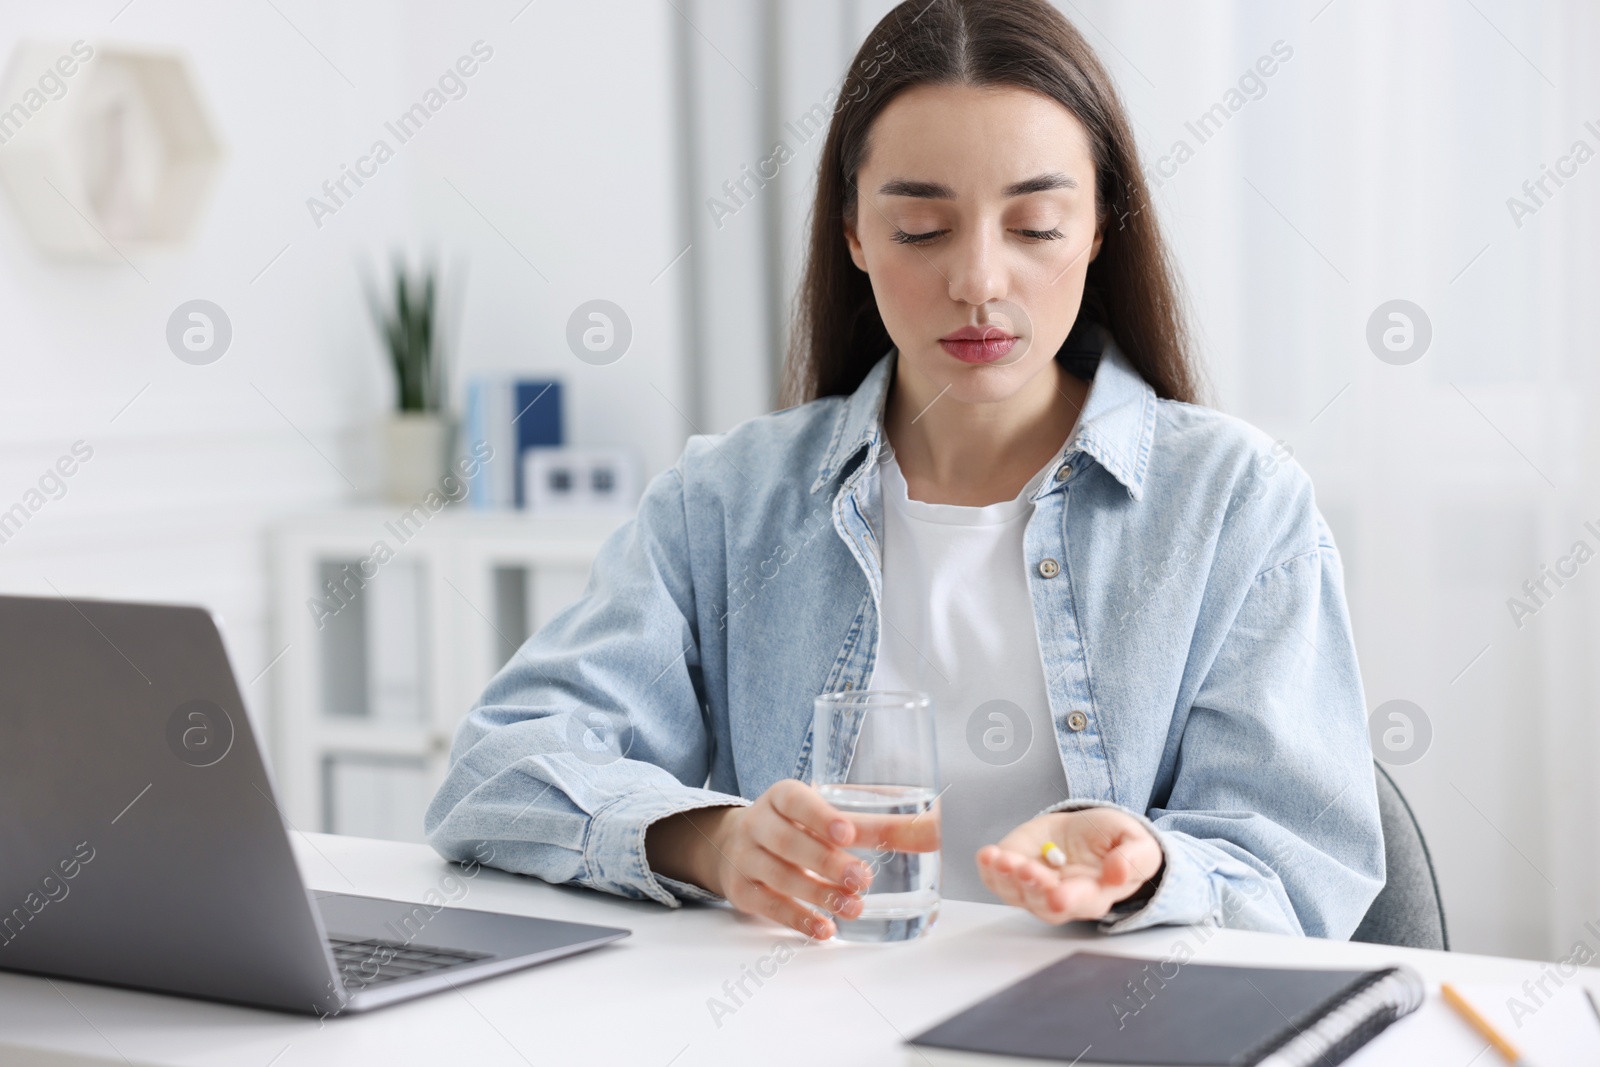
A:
[859,420]
[1116,426]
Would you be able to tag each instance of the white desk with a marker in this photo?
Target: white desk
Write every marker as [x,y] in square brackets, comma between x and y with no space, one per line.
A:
[642,1000]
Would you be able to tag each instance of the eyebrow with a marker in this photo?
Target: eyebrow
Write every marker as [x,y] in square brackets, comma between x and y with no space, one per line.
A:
[939,191]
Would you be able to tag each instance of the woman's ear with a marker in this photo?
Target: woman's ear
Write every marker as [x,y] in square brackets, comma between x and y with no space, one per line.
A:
[1099,237]
[856,253]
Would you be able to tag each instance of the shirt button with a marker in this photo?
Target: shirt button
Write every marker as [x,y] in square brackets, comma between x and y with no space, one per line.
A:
[1076,721]
[1063,472]
[1049,568]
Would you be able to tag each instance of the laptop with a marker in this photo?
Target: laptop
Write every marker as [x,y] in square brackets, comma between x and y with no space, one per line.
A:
[142,844]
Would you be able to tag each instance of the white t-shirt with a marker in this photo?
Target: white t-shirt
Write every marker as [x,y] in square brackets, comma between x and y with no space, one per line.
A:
[958,625]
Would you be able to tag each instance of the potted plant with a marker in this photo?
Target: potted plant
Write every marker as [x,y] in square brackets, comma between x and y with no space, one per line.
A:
[416,435]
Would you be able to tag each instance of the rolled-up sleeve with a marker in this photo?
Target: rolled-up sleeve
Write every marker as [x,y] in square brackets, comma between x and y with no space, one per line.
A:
[1272,819]
[596,728]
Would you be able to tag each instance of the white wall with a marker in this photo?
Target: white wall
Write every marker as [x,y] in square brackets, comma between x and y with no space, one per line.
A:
[562,160]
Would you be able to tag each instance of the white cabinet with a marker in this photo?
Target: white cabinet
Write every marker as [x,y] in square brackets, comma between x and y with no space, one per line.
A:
[389,626]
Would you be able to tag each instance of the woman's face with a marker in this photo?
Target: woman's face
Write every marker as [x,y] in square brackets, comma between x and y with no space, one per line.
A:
[976,208]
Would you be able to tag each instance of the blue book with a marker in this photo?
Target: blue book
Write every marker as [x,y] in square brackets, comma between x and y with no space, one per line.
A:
[536,419]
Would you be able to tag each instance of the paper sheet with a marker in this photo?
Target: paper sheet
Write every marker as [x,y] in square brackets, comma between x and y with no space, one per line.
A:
[1561,1032]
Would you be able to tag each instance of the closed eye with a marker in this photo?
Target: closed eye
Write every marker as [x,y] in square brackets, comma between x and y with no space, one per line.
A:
[901,237]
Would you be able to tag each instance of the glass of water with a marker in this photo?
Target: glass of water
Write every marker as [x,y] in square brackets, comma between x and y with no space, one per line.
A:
[874,758]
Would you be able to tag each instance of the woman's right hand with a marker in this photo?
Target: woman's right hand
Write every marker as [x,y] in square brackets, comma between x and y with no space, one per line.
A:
[784,851]
[787,849]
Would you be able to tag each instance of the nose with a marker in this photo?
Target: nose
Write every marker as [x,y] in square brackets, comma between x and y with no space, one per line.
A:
[977,272]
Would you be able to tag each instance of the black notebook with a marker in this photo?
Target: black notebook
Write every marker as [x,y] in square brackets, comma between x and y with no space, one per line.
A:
[1095,1009]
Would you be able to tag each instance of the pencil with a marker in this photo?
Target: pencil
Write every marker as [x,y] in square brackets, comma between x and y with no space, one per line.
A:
[1480,1024]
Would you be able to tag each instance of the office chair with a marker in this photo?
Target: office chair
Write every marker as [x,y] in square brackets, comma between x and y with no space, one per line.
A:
[1409,911]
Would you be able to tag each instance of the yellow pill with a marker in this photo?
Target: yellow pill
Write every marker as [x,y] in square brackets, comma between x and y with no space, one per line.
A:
[1052,855]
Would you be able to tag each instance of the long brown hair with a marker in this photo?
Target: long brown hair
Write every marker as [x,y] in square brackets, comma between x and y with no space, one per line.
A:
[1130,289]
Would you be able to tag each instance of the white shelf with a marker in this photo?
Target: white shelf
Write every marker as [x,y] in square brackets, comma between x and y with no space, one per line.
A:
[469,585]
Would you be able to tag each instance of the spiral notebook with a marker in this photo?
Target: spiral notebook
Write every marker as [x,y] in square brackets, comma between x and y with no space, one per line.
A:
[1089,1009]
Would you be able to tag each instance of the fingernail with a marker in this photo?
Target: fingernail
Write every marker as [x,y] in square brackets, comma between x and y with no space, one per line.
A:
[859,873]
[840,830]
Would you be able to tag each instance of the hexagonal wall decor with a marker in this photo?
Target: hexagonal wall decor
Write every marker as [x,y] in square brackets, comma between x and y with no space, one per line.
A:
[104,149]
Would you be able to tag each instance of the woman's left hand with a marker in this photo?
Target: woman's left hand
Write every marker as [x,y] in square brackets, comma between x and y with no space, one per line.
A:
[1110,857]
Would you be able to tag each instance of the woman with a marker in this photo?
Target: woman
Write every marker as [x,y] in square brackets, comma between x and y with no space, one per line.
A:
[995,485]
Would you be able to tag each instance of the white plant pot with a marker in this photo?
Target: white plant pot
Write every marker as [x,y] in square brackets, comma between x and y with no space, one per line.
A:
[414,455]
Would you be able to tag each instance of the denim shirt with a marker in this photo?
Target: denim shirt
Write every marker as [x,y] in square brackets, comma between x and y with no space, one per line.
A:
[1191,615]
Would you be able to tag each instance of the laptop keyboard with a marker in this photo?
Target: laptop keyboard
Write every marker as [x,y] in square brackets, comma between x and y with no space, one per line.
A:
[374,961]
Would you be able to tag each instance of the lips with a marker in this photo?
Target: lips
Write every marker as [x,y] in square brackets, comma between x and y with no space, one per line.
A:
[978,344]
